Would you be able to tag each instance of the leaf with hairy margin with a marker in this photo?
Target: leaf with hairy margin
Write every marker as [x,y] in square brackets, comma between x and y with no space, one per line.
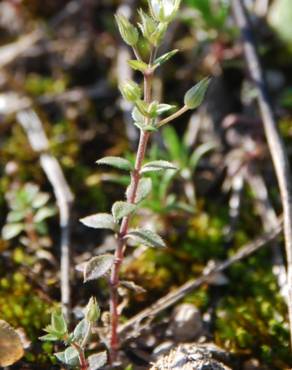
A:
[143,190]
[158,166]
[98,266]
[146,237]
[122,209]
[100,221]
[117,162]
[97,360]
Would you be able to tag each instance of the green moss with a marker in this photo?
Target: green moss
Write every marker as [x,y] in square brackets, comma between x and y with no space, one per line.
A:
[38,85]
[252,317]
[21,306]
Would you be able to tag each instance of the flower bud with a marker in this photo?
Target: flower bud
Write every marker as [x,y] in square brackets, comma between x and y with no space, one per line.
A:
[128,32]
[194,97]
[151,30]
[164,10]
[92,310]
[130,91]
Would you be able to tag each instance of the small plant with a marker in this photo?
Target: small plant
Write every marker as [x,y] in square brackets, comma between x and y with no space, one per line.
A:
[76,341]
[147,117]
[28,213]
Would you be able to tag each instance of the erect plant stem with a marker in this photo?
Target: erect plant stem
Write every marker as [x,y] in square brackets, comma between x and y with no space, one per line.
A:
[120,250]
[81,356]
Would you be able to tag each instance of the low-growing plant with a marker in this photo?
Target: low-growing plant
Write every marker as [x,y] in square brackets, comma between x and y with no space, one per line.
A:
[28,212]
[148,117]
[77,340]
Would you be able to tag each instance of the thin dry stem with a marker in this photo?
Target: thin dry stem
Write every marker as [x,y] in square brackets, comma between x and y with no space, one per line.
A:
[133,325]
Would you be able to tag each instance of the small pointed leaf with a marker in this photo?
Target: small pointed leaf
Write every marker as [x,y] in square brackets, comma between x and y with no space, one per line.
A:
[143,190]
[40,200]
[15,216]
[61,356]
[100,221]
[163,108]
[158,166]
[97,361]
[122,209]
[138,65]
[117,162]
[58,323]
[147,238]
[164,58]
[44,213]
[98,266]
[49,337]
[71,356]
[10,231]
[80,330]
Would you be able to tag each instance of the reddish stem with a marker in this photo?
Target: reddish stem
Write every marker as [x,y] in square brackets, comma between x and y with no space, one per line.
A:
[81,356]
[119,253]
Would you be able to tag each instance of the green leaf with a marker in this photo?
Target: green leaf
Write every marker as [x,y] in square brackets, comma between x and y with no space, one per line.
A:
[195,96]
[61,356]
[40,200]
[10,231]
[163,108]
[138,65]
[58,323]
[122,209]
[71,356]
[200,152]
[117,162]
[158,166]
[49,337]
[164,58]
[44,213]
[81,330]
[143,190]
[100,221]
[15,216]
[147,238]
[98,266]
[138,116]
[97,361]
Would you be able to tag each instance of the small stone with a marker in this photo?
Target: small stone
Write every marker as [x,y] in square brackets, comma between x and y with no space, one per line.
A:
[189,357]
[187,323]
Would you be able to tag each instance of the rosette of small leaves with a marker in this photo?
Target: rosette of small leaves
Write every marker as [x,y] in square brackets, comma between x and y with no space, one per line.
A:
[28,212]
[76,341]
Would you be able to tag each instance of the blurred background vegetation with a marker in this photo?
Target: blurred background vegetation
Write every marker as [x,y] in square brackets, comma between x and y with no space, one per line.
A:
[205,212]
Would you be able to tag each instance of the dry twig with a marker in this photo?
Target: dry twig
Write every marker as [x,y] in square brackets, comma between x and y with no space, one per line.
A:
[173,297]
[39,142]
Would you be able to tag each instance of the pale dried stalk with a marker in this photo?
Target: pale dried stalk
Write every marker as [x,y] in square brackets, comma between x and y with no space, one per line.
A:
[39,142]
[133,325]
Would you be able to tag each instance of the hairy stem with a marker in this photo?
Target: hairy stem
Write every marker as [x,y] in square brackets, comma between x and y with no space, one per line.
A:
[81,356]
[119,253]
